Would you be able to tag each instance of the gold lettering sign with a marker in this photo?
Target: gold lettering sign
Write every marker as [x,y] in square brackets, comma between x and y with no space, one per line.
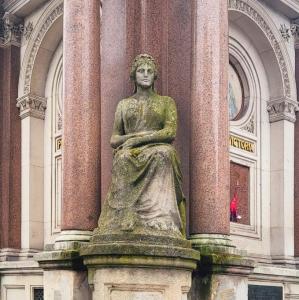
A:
[241,144]
[58,144]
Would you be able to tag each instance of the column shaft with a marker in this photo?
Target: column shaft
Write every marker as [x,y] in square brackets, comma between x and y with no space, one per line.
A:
[209,156]
[81,119]
[10,149]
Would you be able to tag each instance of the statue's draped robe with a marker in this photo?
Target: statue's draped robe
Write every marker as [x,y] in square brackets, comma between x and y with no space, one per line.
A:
[146,185]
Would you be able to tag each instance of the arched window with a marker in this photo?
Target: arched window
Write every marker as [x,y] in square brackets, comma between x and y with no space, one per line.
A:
[244,98]
[53,145]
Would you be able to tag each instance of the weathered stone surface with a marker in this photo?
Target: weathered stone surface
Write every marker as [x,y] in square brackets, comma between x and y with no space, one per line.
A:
[133,249]
[138,283]
[66,285]
[145,195]
[221,275]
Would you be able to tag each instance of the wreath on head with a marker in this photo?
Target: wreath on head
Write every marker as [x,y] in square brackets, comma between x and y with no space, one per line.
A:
[143,59]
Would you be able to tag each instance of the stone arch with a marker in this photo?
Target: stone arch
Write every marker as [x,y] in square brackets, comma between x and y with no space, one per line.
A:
[251,16]
[46,37]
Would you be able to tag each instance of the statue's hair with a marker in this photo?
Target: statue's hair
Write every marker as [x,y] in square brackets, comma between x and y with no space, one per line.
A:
[140,60]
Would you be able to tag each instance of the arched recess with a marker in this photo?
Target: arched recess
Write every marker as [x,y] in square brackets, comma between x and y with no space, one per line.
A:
[279,100]
[251,16]
[52,148]
[38,54]
[39,51]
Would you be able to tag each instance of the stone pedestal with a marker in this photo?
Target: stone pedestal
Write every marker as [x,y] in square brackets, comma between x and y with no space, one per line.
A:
[223,270]
[136,266]
[66,285]
[140,283]
[221,276]
[65,276]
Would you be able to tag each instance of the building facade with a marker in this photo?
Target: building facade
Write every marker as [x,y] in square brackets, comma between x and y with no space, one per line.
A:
[64,65]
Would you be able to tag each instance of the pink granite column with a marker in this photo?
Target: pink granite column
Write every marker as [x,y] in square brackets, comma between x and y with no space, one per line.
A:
[162,29]
[209,156]
[10,149]
[81,115]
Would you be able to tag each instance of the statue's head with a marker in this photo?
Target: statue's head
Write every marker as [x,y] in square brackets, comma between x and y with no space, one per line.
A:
[141,63]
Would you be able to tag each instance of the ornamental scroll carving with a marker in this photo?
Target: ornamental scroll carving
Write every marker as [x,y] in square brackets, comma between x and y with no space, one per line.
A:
[283,108]
[249,127]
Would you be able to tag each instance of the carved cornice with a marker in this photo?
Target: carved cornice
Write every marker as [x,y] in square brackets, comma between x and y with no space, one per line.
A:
[248,8]
[32,105]
[50,19]
[282,109]
[12,30]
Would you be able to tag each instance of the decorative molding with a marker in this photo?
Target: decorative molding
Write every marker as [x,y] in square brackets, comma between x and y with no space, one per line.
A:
[32,105]
[12,30]
[59,121]
[249,127]
[250,10]
[27,30]
[282,109]
[51,18]
[22,7]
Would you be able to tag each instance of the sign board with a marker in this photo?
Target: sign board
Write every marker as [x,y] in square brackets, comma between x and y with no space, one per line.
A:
[264,292]
[241,144]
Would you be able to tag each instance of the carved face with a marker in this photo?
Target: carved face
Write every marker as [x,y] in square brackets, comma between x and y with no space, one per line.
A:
[145,76]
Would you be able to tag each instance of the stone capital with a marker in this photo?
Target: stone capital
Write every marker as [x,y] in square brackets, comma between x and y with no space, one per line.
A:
[32,106]
[282,109]
[12,29]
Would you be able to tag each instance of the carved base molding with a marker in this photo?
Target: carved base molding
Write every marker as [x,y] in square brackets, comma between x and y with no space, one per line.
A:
[10,254]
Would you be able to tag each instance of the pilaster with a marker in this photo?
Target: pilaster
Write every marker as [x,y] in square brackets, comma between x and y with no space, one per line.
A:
[32,113]
[282,117]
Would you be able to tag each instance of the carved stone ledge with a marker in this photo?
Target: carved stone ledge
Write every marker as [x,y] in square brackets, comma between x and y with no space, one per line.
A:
[282,109]
[32,105]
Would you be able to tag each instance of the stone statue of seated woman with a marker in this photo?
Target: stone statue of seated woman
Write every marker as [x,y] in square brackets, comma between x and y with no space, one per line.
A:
[145,195]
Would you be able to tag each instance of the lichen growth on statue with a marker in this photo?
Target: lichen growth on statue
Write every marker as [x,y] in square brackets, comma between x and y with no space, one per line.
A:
[145,194]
